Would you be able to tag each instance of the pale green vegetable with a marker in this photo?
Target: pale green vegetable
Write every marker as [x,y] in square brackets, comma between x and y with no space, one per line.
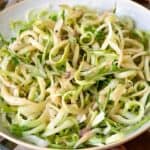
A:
[74,78]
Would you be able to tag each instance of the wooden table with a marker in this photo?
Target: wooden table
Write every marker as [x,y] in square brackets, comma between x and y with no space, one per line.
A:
[145,3]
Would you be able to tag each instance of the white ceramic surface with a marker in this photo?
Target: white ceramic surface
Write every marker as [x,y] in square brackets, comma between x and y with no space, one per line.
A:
[124,7]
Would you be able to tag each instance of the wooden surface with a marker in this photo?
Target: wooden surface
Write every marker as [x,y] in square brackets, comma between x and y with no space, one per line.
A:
[140,143]
[145,3]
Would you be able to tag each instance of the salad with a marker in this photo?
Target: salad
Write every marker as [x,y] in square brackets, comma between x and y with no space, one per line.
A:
[75,78]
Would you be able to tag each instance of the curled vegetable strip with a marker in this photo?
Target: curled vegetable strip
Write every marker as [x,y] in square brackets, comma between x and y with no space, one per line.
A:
[127,117]
[36,140]
[87,38]
[28,33]
[35,44]
[99,118]
[147,68]
[85,137]
[108,38]
[55,51]
[57,30]
[42,86]
[140,87]
[32,109]
[114,137]
[66,124]
[7,83]
[12,100]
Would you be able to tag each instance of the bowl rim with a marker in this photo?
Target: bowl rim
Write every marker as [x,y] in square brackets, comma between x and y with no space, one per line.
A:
[24,1]
[131,136]
[134,134]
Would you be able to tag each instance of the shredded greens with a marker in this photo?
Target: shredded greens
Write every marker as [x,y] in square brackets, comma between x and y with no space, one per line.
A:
[74,78]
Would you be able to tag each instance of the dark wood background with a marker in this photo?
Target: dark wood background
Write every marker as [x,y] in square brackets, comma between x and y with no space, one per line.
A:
[145,3]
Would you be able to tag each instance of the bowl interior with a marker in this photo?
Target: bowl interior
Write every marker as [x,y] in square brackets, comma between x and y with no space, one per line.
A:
[123,7]
[140,14]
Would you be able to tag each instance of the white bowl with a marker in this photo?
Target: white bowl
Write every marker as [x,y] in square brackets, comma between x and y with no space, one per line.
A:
[140,14]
